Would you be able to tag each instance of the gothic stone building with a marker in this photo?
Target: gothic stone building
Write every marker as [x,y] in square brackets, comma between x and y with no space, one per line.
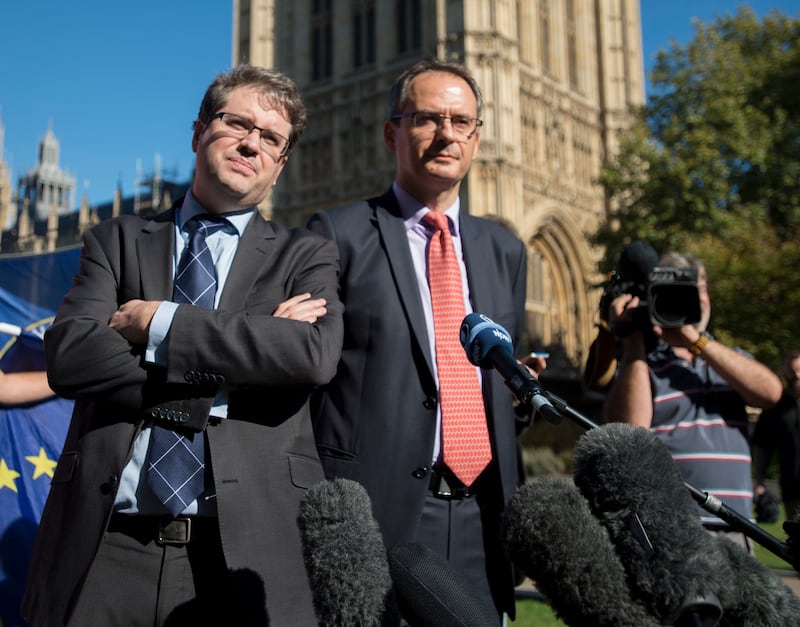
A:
[559,78]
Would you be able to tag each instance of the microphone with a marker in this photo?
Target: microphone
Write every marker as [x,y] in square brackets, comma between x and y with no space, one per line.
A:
[551,535]
[632,275]
[761,598]
[488,345]
[674,566]
[430,593]
[635,263]
[344,554]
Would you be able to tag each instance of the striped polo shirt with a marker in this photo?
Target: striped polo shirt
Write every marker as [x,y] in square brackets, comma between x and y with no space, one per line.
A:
[703,423]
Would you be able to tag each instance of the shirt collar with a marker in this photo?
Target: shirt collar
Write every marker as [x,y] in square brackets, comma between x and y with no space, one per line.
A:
[412,210]
[191,208]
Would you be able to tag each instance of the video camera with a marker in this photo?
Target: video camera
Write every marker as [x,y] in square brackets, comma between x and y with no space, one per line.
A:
[668,297]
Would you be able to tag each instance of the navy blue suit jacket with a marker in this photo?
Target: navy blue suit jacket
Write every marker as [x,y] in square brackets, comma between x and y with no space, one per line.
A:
[375,422]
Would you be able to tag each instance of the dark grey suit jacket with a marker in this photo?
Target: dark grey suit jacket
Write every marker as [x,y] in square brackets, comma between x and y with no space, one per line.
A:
[263,456]
[375,422]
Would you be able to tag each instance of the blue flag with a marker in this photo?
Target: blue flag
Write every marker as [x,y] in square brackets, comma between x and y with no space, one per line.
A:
[31,436]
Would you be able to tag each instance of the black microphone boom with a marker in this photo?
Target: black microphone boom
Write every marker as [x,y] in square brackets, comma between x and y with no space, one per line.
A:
[488,345]
[344,554]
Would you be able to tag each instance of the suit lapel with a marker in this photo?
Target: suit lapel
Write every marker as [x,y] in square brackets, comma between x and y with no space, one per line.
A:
[251,255]
[393,234]
[155,248]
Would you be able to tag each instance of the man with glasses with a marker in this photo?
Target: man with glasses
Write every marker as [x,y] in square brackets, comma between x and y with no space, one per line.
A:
[387,418]
[191,342]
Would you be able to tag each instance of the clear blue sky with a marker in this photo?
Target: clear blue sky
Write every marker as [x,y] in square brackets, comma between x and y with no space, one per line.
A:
[122,81]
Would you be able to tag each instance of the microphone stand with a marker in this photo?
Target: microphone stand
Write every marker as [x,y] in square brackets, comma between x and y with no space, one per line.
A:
[786,551]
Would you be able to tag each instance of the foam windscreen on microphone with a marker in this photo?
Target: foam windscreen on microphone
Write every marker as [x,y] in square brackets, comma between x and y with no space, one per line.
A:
[430,593]
[633,487]
[550,533]
[674,566]
[636,261]
[757,596]
[344,554]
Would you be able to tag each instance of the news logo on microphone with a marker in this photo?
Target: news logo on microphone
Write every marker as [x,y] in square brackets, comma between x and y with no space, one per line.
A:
[479,334]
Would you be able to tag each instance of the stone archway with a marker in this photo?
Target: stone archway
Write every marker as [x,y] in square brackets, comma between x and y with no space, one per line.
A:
[561,301]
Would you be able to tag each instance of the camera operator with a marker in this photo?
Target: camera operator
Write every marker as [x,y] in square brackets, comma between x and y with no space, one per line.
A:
[692,392]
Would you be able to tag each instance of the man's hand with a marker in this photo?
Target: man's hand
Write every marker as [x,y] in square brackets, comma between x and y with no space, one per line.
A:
[302,308]
[680,337]
[132,320]
[534,363]
[622,308]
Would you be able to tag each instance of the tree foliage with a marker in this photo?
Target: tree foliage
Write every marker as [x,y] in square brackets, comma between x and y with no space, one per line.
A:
[712,166]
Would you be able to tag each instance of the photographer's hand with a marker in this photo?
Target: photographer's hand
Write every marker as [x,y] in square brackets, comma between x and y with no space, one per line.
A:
[629,399]
[681,337]
[621,309]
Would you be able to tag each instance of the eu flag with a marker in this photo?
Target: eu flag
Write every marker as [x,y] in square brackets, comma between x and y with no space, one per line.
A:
[31,435]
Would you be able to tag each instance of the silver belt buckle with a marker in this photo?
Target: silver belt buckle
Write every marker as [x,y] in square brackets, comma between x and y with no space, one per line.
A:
[176,532]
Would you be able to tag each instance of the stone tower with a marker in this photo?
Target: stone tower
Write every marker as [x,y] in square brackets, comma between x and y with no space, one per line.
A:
[559,78]
[46,187]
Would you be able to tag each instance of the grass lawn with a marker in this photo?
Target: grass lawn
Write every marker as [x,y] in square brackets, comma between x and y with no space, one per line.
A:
[766,556]
[535,614]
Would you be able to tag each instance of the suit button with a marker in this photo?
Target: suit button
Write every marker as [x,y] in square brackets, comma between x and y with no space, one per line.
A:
[188,377]
[420,473]
[154,412]
[109,485]
[183,417]
[162,413]
[219,378]
[429,403]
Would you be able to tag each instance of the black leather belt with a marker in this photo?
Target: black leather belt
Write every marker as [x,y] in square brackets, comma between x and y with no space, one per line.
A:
[162,530]
[445,485]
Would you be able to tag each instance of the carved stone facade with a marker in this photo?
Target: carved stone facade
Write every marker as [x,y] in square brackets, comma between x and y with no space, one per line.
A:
[559,77]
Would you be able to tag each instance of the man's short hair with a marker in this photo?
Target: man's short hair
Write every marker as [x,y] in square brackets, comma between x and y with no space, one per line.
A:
[277,89]
[398,94]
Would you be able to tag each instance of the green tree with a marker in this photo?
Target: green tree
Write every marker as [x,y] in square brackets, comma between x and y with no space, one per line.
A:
[712,166]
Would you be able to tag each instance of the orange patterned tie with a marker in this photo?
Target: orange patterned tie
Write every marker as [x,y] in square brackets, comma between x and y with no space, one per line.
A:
[465,437]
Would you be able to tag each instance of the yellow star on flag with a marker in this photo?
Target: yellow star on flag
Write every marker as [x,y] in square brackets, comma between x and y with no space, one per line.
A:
[7,476]
[42,465]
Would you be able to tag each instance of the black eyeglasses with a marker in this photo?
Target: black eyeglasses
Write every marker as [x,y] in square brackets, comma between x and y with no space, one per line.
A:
[463,126]
[274,144]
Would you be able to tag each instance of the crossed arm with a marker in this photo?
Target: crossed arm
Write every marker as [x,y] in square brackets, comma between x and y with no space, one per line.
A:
[132,319]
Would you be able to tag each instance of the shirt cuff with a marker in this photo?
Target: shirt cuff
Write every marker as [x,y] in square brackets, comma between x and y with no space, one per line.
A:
[157,339]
